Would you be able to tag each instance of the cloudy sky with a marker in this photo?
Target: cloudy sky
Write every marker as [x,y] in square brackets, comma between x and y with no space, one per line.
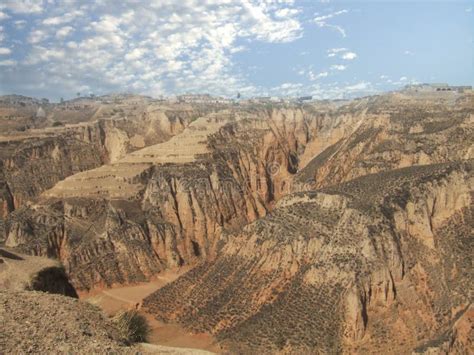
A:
[56,48]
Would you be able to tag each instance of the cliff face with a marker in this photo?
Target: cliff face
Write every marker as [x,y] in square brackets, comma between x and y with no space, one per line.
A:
[360,218]
[171,203]
[126,221]
[397,131]
[34,161]
[342,269]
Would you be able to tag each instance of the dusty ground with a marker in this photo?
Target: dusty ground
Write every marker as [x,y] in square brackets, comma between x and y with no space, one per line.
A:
[41,323]
[163,334]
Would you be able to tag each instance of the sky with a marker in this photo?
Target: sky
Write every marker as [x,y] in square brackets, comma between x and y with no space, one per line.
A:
[324,48]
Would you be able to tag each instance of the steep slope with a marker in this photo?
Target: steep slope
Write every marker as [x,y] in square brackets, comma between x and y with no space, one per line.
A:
[376,265]
[34,160]
[126,221]
[399,130]
[171,203]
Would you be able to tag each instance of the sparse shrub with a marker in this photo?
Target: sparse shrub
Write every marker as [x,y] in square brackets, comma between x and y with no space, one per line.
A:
[132,326]
[57,124]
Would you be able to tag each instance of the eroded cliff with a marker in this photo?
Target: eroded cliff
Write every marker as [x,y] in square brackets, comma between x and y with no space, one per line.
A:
[373,265]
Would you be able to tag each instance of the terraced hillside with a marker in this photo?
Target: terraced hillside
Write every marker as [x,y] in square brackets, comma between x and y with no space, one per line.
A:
[75,136]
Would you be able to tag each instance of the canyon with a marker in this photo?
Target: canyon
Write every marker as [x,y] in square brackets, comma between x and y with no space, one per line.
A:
[326,227]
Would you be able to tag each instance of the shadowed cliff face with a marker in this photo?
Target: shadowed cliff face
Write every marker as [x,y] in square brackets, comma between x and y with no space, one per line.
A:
[328,270]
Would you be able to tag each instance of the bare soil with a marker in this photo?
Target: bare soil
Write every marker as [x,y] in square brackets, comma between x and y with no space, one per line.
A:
[111,300]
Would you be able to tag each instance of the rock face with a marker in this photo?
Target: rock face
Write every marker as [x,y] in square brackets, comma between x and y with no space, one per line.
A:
[397,131]
[89,135]
[126,221]
[372,265]
[328,227]
[455,340]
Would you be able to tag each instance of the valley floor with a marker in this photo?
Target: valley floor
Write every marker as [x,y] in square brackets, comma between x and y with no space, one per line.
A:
[170,335]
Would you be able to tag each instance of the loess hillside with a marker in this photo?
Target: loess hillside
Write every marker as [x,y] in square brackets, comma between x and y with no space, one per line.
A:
[327,227]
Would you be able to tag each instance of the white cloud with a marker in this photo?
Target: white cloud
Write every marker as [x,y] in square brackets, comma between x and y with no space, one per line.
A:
[287,89]
[343,53]
[359,86]
[20,24]
[37,36]
[314,77]
[185,46]
[349,56]
[338,67]
[63,32]
[5,51]
[60,20]
[333,51]
[3,16]
[135,54]
[237,49]
[24,6]
[7,63]
[469,9]
[321,21]
[407,52]
[403,78]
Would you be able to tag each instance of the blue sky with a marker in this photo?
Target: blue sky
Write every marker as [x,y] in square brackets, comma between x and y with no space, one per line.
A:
[328,49]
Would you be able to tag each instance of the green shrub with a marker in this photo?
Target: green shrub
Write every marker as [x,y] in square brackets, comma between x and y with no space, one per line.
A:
[132,326]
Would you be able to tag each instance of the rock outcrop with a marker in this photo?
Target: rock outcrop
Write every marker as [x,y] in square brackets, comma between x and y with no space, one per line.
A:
[23,272]
[169,204]
[397,131]
[126,221]
[328,227]
[89,135]
[372,265]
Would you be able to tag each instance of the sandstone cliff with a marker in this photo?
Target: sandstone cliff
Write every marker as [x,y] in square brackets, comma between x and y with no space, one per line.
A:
[126,221]
[89,135]
[170,203]
[374,265]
